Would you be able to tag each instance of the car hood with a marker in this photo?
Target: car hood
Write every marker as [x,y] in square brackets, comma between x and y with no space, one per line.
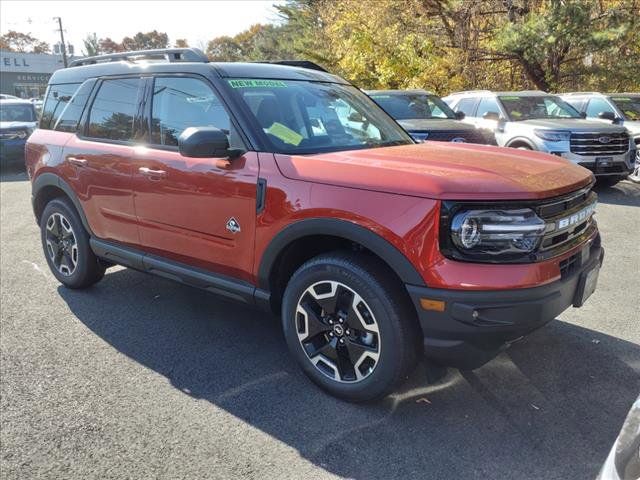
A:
[435,125]
[442,171]
[632,126]
[573,124]
[12,125]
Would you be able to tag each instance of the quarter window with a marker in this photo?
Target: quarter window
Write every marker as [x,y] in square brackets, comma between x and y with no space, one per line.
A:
[182,102]
[58,97]
[70,115]
[114,108]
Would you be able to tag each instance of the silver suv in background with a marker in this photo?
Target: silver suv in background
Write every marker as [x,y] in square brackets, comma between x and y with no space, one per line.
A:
[534,120]
[617,108]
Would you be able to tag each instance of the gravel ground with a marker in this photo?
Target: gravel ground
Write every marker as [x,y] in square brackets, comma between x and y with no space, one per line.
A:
[139,377]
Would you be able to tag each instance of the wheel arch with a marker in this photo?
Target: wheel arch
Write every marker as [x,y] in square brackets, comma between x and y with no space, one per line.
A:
[517,141]
[305,239]
[48,186]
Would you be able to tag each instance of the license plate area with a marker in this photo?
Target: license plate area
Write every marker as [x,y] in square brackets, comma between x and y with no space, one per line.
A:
[586,285]
[603,162]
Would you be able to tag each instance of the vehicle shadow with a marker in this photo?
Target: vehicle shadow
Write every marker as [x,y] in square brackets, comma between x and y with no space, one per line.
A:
[548,408]
[623,193]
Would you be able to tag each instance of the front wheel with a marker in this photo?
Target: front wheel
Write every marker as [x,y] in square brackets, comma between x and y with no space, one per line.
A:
[349,326]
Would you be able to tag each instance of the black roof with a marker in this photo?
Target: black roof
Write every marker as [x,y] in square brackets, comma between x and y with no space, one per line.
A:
[224,70]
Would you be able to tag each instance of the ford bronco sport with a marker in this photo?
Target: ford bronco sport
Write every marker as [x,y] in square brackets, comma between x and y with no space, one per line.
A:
[535,120]
[249,180]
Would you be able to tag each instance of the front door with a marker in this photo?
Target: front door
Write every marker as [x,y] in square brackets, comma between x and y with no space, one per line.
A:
[199,211]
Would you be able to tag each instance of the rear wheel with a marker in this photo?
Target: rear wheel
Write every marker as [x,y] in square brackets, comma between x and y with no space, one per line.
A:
[349,327]
[66,246]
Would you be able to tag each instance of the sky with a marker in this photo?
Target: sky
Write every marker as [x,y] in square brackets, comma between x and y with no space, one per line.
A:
[197,21]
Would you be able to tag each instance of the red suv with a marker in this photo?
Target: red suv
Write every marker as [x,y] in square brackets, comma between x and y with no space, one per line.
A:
[287,188]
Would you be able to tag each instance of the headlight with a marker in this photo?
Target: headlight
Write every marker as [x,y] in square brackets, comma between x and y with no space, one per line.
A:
[497,232]
[553,135]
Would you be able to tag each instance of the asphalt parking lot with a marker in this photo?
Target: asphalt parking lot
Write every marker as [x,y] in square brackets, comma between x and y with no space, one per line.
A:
[139,377]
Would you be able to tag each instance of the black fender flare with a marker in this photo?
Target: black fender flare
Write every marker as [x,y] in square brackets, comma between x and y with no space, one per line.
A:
[48,179]
[396,260]
[523,140]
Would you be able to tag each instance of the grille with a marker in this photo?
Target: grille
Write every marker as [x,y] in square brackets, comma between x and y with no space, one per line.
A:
[595,143]
[470,136]
[568,224]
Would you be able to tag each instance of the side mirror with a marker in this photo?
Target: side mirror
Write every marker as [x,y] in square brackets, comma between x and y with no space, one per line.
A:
[583,115]
[491,116]
[205,142]
[460,115]
[356,117]
[607,116]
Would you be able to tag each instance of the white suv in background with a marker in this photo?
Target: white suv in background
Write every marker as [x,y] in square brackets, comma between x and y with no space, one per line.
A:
[617,108]
[536,120]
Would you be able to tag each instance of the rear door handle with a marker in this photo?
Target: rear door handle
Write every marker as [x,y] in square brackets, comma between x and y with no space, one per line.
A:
[77,161]
[148,172]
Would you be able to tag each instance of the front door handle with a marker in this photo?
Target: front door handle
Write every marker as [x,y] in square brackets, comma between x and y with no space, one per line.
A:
[148,172]
[77,161]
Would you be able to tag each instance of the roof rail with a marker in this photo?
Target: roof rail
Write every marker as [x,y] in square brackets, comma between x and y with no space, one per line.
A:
[300,63]
[471,91]
[168,54]
[581,93]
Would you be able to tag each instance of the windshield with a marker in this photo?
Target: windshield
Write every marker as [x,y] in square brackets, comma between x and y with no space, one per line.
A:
[16,113]
[313,117]
[537,107]
[629,106]
[413,105]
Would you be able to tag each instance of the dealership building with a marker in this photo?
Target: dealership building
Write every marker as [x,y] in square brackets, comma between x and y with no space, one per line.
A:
[26,75]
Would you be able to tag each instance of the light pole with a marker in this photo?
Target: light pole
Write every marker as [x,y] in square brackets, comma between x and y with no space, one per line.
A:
[63,47]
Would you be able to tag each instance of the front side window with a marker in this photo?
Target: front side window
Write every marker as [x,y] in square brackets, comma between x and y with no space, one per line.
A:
[58,96]
[183,102]
[114,109]
[537,107]
[312,117]
[629,106]
[17,113]
[597,106]
[413,106]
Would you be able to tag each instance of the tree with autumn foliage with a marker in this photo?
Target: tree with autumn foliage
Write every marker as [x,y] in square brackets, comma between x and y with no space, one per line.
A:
[13,41]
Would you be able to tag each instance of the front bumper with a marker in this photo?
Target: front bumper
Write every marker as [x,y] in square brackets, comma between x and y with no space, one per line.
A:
[476,325]
[620,165]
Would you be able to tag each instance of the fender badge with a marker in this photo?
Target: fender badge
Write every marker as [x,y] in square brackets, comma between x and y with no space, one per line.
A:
[233,226]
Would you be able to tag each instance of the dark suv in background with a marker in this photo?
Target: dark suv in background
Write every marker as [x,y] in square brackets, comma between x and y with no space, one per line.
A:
[426,117]
[18,119]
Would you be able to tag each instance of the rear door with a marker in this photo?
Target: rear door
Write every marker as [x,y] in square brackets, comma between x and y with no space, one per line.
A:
[199,211]
[99,160]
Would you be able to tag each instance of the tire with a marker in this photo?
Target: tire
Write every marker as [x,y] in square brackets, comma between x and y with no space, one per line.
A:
[66,246]
[382,339]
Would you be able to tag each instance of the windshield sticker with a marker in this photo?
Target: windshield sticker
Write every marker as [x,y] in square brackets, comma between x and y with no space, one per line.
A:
[622,99]
[285,134]
[250,83]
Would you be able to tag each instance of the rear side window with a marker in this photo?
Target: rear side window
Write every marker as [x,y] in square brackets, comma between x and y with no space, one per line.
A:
[466,105]
[183,102]
[58,97]
[70,116]
[114,109]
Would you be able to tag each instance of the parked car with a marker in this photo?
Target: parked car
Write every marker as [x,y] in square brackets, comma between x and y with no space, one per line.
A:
[617,108]
[426,117]
[5,96]
[290,189]
[17,120]
[535,120]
